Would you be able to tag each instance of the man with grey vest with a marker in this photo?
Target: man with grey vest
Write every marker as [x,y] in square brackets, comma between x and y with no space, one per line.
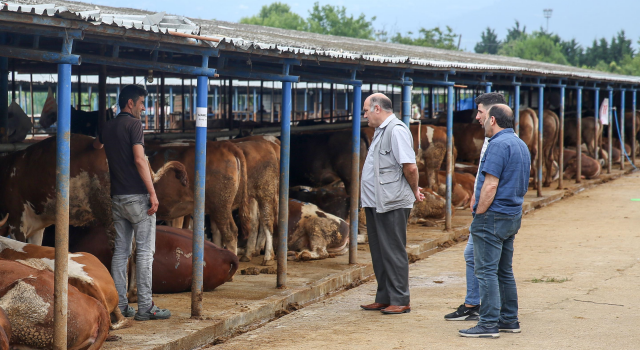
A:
[389,187]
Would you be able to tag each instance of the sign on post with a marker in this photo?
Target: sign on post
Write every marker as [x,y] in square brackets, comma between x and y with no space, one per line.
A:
[604,112]
[201,117]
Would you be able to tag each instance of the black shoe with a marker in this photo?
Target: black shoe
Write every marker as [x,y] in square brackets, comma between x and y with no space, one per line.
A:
[464,314]
[129,311]
[509,327]
[480,332]
[155,313]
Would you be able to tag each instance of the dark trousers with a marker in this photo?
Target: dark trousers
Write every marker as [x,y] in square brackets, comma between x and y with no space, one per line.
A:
[387,241]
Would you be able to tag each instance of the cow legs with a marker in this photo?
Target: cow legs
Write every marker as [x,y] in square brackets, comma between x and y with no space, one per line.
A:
[216,237]
[118,321]
[36,237]
[250,251]
[177,223]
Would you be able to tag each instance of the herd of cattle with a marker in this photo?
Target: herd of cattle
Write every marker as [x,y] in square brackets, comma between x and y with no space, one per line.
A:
[241,203]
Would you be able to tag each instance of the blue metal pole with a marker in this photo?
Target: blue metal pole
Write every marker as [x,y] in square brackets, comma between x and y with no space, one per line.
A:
[306,104]
[450,159]
[355,173]
[579,134]
[422,103]
[170,100]
[540,130]
[621,125]
[598,127]
[406,101]
[610,136]
[195,104]
[215,99]
[62,204]
[633,127]
[561,161]
[346,99]
[433,102]
[235,99]
[255,100]
[199,195]
[516,105]
[285,149]
[487,87]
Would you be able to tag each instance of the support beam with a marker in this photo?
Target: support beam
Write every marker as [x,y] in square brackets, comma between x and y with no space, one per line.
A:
[355,174]
[285,149]
[4,98]
[621,128]
[406,101]
[39,55]
[516,104]
[162,103]
[487,87]
[579,134]
[561,160]
[149,65]
[199,194]
[610,136]
[598,126]
[61,276]
[633,127]
[450,160]
[540,131]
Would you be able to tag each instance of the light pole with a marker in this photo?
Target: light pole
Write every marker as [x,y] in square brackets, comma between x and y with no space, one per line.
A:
[547,15]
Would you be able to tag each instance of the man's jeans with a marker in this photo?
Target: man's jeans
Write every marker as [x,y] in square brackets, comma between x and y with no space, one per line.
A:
[493,236]
[130,216]
[473,292]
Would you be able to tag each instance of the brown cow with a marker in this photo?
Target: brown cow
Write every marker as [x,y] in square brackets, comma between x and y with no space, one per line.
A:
[262,154]
[32,321]
[460,196]
[589,128]
[432,207]
[86,272]
[462,167]
[5,330]
[226,184]
[172,259]
[528,133]
[171,183]
[315,234]
[28,194]
[550,150]
[590,169]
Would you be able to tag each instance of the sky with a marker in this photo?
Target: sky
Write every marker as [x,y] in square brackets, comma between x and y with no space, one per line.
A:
[584,20]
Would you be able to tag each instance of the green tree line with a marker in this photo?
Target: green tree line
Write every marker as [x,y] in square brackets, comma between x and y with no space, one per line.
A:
[616,55]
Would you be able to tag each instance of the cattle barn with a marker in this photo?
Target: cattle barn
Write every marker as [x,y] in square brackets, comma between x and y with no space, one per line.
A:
[232,77]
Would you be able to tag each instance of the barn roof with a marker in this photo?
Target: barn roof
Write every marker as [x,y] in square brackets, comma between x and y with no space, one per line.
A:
[276,42]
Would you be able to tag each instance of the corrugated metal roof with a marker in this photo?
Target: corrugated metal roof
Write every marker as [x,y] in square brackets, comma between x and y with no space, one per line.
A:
[248,38]
[157,22]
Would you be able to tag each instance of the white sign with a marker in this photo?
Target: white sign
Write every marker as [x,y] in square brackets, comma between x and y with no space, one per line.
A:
[604,112]
[201,117]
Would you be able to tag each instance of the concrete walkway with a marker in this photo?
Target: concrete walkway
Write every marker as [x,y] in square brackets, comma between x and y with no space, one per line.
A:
[578,273]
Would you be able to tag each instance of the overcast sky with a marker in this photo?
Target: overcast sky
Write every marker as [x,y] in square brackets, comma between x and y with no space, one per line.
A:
[584,20]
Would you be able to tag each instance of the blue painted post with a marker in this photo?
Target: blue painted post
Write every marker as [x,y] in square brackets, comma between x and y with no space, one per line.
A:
[487,87]
[199,194]
[598,127]
[633,127]
[20,96]
[61,276]
[422,103]
[235,99]
[170,100]
[621,126]
[118,104]
[449,158]
[285,149]
[195,103]
[406,100]
[306,105]
[255,100]
[516,105]
[610,136]
[355,173]
[561,161]
[540,130]
[579,134]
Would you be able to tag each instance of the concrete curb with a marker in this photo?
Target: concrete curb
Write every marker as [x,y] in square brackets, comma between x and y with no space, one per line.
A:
[266,309]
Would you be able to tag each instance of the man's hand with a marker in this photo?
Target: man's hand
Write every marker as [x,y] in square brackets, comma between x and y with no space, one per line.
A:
[154,204]
[473,201]
[419,195]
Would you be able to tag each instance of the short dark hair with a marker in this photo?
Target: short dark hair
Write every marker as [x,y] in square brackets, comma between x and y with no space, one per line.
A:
[131,92]
[490,98]
[503,115]
[381,100]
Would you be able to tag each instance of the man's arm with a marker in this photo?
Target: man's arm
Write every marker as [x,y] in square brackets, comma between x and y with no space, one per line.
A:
[410,171]
[487,193]
[143,169]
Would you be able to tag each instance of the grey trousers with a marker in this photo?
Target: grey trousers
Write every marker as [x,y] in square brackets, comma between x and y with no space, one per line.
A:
[387,241]
[130,217]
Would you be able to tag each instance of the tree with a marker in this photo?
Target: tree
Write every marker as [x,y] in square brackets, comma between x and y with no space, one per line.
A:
[598,52]
[515,33]
[489,43]
[573,52]
[620,47]
[431,38]
[277,15]
[333,20]
[537,47]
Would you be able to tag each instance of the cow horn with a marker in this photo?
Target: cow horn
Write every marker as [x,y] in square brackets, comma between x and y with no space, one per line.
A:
[4,221]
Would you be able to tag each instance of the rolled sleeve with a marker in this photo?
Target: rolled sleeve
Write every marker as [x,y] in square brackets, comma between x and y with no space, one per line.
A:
[495,160]
[402,146]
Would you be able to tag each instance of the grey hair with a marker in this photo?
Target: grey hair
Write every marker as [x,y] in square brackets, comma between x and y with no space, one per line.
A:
[381,100]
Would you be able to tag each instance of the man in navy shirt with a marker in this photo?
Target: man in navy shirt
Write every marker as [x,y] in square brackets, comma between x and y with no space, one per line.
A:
[503,180]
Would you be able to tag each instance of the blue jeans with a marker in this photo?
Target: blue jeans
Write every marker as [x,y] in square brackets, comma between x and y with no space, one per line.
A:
[473,292]
[493,236]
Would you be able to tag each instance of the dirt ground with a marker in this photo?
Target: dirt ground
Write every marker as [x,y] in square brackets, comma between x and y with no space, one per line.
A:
[576,266]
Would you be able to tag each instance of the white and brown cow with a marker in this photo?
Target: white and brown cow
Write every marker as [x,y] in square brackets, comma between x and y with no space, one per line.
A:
[86,272]
[315,234]
[26,295]
[5,330]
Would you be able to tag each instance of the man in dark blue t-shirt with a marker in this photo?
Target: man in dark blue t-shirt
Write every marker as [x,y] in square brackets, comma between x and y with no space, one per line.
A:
[503,179]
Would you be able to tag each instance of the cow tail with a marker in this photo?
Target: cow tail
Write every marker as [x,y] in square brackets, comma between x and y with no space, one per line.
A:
[244,210]
[104,322]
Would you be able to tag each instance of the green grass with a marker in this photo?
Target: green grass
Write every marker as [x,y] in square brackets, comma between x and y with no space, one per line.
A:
[550,280]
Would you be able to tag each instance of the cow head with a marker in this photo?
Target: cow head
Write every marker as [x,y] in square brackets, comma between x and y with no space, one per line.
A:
[19,123]
[174,193]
